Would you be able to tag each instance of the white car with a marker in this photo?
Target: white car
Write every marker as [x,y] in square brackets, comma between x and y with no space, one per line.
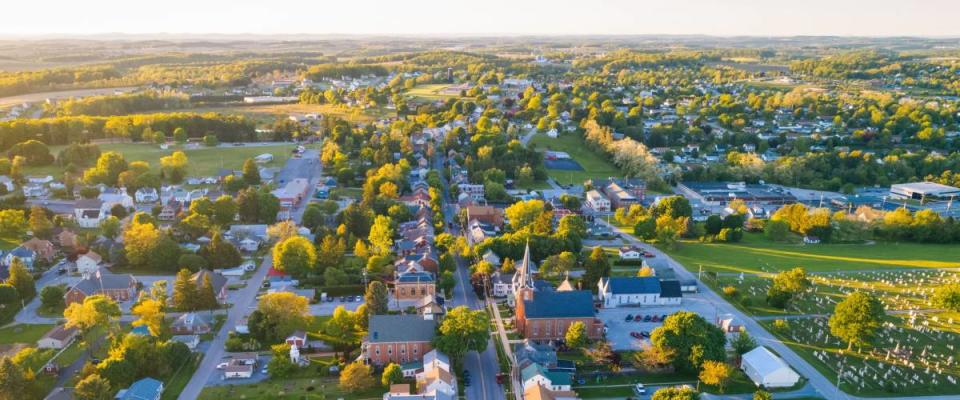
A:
[222,365]
[639,389]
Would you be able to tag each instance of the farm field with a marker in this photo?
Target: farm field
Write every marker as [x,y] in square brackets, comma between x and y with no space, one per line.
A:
[756,255]
[594,165]
[430,92]
[203,161]
[266,113]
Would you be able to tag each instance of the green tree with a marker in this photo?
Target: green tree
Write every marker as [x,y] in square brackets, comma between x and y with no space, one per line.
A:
[15,382]
[247,205]
[673,207]
[8,294]
[93,387]
[676,393]
[267,206]
[206,297]
[576,336]
[13,223]
[220,253]
[110,227]
[185,296]
[761,394]
[376,298]
[251,174]
[356,377]
[947,296]
[776,230]
[150,314]
[391,374]
[224,210]
[524,213]
[381,235]
[786,285]
[280,314]
[691,339]
[597,266]
[139,243]
[51,297]
[295,256]
[856,319]
[280,365]
[107,169]
[21,279]
[742,344]
[462,330]
[174,166]
[180,135]
[40,225]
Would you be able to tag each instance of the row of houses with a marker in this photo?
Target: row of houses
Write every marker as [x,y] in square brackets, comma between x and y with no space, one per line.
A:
[435,381]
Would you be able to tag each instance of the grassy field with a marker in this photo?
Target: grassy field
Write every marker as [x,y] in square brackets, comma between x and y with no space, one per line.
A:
[203,161]
[594,165]
[179,380]
[288,389]
[268,112]
[755,254]
[430,92]
[23,333]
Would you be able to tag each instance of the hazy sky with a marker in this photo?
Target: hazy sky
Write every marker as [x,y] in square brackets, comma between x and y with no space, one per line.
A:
[553,17]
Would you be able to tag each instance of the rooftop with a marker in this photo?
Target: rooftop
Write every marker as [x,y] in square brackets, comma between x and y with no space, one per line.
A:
[384,329]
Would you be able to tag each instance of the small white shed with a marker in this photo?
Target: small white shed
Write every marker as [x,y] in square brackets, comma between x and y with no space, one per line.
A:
[767,369]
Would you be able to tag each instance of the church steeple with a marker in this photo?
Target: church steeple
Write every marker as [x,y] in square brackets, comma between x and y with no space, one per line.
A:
[526,278]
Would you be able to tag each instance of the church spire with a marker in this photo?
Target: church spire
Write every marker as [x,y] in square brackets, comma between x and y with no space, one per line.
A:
[524,278]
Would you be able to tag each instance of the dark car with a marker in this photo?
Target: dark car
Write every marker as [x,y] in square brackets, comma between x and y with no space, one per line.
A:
[647,318]
[663,317]
[645,334]
[629,317]
[62,271]
[656,318]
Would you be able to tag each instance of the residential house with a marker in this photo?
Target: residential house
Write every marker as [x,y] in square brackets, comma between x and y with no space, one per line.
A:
[638,291]
[474,191]
[597,202]
[191,341]
[119,287]
[87,213]
[502,284]
[26,256]
[57,338]
[191,324]
[536,374]
[144,389]
[619,197]
[429,308]
[217,281]
[114,198]
[297,338]
[238,371]
[147,195]
[630,252]
[88,263]
[540,392]
[385,343]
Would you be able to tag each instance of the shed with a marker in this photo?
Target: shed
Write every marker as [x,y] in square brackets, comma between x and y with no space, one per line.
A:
[767,369]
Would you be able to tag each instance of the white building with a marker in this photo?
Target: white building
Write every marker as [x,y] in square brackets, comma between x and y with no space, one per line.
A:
[87,263]
[767,369]
[638,291]
[475,191]
[597,201]
[147,195]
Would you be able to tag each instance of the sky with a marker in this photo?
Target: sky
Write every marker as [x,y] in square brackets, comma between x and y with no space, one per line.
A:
[486,17]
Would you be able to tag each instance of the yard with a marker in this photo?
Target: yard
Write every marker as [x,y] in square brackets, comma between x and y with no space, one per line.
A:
[430,92]
[266,113]
[203,161]
[594,165]
[28,334]
[290,389]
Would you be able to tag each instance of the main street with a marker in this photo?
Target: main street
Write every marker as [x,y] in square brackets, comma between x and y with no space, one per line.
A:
[307,167]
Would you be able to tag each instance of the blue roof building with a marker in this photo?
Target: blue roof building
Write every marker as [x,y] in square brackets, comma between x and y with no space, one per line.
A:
[144,389]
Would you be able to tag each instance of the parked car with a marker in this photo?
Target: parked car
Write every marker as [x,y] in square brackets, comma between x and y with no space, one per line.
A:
[645,334]
[636,335]
[656,318]
[648,254]
[663,317]
[629,318]
[647,318]
[639,389]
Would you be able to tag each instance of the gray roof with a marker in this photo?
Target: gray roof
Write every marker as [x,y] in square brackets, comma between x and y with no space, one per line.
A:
[400,328]
[216,280]
[647,284]
[670,288]
[88,204]
[92,285]
[551,304]
[22,252]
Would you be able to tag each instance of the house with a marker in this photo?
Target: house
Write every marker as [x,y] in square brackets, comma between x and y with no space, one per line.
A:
[115,198]
[119,287]
[536,374]
[238,371]
[191,341]
[297,338]
[57,338]
[414,285]
[502,284]
[638,291]
[217,281]
[88,263]
[66,238]
[87,213]
[811,240]
[767,369]
[411,369]
[42,249]
[263,158]
[598,202]
[147,195]
[429,308]
[248,245]
[474,191]
[436,379]
[190,324]
[491,258]
[25,255]
[540,392]
[385,343]
[144,389]
[619,197]
[630,253]
[7,183]
[169,211]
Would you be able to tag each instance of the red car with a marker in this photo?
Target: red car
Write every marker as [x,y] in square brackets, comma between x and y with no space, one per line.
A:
[636,335]
[648,254]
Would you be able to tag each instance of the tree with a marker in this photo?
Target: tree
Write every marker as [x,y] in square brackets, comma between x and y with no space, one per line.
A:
[381,235]
[110,227]
[776,230]
[281,314]
[139,243]
[691,339]
[447,282]
[676,393]
[786,285]
[107,169]
[462,330]
[180,135]
[947,296]
[645,271]
[206,297]
[713,225]
[224,210]
[597,266]
[391,374]
[376,298]
[646,227]
[247,205]
[8,294]
[576,336]
[715,373]
[742,344]
[601,353]
[13,223]
[283,230]
[151,315]
[268,206]
[15,382]
[94,311]
[210,140]
[856,319]
[280,366]
[251,174]
[219,253]
[761,394]
[40,225]
[185,296]
[523,213]
[673,207]
[295,256]
[174,166]
[357,377]
[93,387]
[21,279]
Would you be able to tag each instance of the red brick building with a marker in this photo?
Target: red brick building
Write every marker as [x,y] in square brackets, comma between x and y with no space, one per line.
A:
[544,315]
[397,339]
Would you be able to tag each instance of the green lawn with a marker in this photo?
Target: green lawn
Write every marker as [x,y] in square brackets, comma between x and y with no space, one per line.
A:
[288,389]
[430,92]
[203,161]
[594,165]
[23,333]
[756,254]
[179,380]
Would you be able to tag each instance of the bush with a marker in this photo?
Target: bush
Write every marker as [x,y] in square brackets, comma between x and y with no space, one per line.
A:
[781,325]
[731,292]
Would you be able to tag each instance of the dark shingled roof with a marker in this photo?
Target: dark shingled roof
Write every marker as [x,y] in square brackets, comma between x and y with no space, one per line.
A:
[551,304]
[633,285]
[91,285]
[414,277]
[400,328]
[670,288]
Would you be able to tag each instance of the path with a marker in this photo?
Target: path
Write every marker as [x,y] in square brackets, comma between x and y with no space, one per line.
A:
[820,383]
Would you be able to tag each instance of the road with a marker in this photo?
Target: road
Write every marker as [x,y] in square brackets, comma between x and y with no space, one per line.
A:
[307,167]
[483,366]
[820,383]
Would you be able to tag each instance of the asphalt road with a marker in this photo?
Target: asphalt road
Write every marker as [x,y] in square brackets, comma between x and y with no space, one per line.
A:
[307,167]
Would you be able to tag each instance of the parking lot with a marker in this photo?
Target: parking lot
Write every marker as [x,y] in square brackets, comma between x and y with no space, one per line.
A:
[258,375]
[327,307]
[618,329]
